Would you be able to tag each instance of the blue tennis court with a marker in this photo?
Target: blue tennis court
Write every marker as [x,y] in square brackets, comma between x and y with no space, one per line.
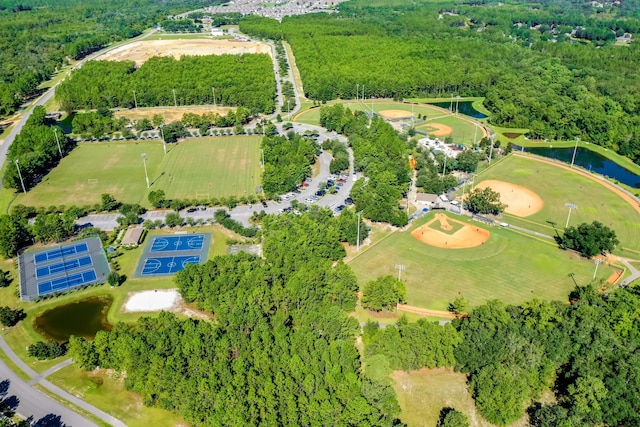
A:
[167,264]
[60,267]
[58,253]
[192,242]
[69,281]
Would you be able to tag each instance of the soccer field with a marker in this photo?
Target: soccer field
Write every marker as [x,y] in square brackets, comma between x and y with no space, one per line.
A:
[557,186]
[194,168]
[510,266]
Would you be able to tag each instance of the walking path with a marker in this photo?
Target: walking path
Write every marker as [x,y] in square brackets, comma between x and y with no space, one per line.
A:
[426,312]
[635,273]
[35,405]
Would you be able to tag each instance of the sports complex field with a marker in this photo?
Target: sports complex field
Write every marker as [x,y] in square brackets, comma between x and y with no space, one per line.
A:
[509,266]
[460,127]
[557,186]
[195,168]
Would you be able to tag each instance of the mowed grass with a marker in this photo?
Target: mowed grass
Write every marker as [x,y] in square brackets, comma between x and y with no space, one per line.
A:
[510,266]
[423,394]
[557,186]
[463,127]
[197,167]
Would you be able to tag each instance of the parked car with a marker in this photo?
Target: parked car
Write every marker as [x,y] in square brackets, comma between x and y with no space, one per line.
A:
[264,204]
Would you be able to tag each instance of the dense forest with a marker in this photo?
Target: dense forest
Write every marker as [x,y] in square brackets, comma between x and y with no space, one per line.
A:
[531,65]
[37,36]
[239,80]
[287,162]
[587,353]
[281,350]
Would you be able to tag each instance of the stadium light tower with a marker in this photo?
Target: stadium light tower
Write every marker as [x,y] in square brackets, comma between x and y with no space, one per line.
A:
[570,206]
[575,148]
[164,141]
[55,132]
[144,161]
[598,262]
[175,102]
[22,182]
[357,91]
[358,240]
[400,268]
[135,100]
[213,89]
[491,149]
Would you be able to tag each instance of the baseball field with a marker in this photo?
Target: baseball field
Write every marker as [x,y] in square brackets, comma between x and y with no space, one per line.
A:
[557,185]
[497,263]
[194,168]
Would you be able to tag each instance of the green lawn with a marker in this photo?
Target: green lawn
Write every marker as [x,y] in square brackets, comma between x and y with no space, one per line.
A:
[194,168]
[510,266]
[557,186]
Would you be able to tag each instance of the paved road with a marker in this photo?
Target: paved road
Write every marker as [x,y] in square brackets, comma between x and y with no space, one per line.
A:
[635,274]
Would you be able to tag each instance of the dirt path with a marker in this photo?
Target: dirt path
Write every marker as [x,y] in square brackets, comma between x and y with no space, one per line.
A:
[426,312]
[610,186]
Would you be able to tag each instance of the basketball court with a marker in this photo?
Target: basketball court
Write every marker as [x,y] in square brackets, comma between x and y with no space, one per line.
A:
[166,255]
[61,268]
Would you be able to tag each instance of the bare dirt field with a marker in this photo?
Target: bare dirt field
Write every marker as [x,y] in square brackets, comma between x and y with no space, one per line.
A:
[439,129]
[143,50]
[152,301]
[394,114]
[466,237]
[520,201]
[171,114]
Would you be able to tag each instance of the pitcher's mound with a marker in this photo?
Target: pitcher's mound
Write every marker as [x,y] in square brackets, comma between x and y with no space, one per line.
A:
[520,201]
[439,130]
[394,114]
[466,237]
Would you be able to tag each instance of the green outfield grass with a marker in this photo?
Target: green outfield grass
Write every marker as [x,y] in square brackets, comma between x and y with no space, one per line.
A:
[557,186]
[463,127]
[510,266]
[194,168]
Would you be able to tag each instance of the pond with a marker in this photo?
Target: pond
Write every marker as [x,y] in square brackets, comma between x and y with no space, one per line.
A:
[464,107]
[589,160]
[82,318]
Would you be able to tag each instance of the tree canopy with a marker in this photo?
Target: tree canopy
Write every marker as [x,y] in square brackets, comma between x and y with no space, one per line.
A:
[589,239]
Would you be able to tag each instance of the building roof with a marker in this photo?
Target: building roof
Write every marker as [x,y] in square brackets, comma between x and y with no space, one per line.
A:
[425,197]
[132,236]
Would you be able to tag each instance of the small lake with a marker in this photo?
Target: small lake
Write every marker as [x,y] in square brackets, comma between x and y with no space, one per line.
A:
[82,318]
[464,107]
[589,160]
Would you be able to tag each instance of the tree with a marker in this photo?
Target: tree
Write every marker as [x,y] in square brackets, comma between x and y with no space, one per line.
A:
[9,317]
[484,201]
[108,202]
[589,239]
[157,120]
[47,350]
[467,161]
[383,293]
[14,235]
[449,417]
[459,305]
[5,279]
[157,199]
[173,219]
[113,279]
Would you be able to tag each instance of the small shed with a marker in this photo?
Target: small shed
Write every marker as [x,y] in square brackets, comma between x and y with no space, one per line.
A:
[427,199]
[132,236]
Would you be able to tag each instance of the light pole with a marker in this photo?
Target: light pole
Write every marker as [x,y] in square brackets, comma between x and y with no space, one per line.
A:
[413,121]
[55,132]
[357,91]
[363,92]
[20,175]
[262,150]
[475,134]
[400,268]
[175,102]
[144,161]
[358,240]
[164,141]
[288,109]
[575,148]
[598,262]
[457,100]
[135,100]
[213,89]
[491,149]
[570,206]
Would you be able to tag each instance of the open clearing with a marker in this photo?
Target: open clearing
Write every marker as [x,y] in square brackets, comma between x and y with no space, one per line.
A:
[156,300]
[194,168]
[171,114]
[422,395]
[520,200]
[140,51]
[558,185]
[509,266]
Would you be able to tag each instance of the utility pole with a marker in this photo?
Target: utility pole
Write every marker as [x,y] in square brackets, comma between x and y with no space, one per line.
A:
[570,206]
[22,182]
[55,132]
[575,148]
[144,161]
[135,100]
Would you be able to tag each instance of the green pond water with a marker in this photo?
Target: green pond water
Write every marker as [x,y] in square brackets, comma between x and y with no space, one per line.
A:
[82,318]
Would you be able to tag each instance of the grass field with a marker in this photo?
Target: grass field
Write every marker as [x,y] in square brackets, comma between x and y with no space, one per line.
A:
[463,127]
[199,167]
[422,395]
[557,186]
[510,266]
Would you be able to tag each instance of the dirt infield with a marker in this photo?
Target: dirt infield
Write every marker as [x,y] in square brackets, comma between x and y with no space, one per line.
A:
[143,50]
[171,114]
[440,129]
[467,237]
[394,114]
[520,201]
[602,182]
